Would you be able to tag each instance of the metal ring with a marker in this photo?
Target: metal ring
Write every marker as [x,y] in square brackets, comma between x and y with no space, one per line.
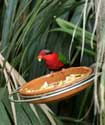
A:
[46,96]
[62,89]
[49,95]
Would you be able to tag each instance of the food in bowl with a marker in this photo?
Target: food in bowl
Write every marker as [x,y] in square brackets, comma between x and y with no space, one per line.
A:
[45,86]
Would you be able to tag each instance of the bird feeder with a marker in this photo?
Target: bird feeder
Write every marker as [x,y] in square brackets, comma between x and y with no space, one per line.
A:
[55,86]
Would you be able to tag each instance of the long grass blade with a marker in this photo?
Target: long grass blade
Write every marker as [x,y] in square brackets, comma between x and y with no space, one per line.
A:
[84,25]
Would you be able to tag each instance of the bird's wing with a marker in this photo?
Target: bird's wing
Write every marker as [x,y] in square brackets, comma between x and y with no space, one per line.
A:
[63,59]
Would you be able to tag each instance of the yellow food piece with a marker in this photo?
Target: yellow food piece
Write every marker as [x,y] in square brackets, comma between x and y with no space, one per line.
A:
[61,82]
[44,86]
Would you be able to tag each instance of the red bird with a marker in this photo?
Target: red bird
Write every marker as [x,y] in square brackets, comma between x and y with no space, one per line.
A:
[53,60]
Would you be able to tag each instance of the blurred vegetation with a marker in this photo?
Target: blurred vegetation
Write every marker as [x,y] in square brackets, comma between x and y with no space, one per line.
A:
[26,27]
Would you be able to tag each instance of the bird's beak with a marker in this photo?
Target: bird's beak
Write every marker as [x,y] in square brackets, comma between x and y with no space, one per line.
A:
[39,58]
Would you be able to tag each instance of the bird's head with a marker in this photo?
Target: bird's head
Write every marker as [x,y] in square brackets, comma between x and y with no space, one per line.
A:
[42,54]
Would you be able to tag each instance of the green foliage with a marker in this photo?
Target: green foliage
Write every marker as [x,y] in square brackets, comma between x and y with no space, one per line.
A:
[26,29]
[68,27]
[4,119]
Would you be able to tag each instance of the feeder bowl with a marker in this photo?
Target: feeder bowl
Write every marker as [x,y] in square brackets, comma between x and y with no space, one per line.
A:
[31,92]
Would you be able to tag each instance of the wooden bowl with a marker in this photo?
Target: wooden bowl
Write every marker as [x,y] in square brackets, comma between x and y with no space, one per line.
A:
[33,86]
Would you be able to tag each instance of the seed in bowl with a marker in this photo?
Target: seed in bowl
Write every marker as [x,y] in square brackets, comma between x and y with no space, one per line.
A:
[46,85]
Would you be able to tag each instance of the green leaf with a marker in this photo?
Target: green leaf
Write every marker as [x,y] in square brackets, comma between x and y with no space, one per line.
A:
[87,51]
[7,23]
[69,27]
[4,119]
